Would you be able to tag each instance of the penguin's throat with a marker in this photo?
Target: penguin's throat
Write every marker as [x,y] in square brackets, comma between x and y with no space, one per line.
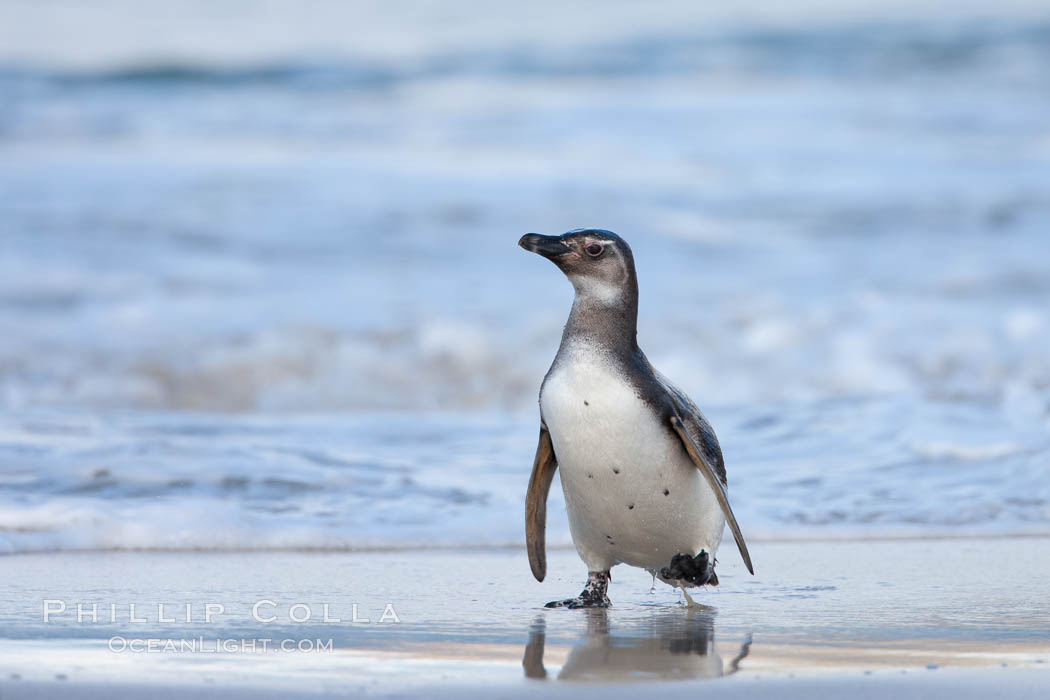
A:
[597,291]
[596,321]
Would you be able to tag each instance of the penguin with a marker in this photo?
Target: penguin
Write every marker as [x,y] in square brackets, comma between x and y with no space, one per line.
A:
[641,467]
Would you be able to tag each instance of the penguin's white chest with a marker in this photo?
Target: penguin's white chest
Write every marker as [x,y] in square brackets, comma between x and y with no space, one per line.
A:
[632,493]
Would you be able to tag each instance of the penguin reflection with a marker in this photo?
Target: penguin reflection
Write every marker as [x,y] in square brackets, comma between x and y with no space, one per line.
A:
[666,645]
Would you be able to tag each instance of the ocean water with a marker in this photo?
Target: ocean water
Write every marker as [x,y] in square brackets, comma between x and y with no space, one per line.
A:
[259,284]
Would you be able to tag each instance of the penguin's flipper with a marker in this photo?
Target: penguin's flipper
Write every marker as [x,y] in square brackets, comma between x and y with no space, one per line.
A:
[716,484]
[543,469]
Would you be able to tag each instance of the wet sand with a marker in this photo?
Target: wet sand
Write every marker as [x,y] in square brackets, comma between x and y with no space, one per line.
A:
[959,617]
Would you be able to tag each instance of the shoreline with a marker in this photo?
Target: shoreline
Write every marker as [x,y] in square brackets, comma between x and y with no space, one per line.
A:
[512,547]
[470,622]
[1017,685]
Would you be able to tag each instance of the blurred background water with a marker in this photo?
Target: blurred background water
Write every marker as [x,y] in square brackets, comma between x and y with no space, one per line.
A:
[259,284]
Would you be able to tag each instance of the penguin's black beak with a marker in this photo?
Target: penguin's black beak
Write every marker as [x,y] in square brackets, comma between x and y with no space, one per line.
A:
[549,247]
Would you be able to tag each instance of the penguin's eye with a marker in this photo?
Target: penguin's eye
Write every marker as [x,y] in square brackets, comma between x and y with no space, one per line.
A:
[594,249]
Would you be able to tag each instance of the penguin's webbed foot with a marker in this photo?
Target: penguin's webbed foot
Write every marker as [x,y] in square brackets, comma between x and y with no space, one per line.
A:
[580,601]
[592,595]
[692,571]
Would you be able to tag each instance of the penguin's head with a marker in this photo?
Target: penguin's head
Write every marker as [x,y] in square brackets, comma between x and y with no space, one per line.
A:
[599,263]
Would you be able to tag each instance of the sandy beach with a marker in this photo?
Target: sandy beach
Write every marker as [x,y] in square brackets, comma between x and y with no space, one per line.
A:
[912,617]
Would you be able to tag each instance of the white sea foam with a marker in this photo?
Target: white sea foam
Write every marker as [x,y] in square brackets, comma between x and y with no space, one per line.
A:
[966,452]
[185,481]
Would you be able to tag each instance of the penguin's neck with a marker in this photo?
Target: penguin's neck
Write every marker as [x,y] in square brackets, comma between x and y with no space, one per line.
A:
[609,323]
